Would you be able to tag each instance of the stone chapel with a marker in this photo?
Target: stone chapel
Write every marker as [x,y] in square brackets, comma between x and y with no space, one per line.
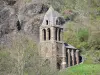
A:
[52,47]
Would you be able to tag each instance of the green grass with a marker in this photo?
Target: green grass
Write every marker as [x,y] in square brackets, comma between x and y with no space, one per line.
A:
[82,69]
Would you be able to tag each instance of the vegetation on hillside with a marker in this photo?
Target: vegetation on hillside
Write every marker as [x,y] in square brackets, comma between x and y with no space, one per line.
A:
[82,28]
[82,69]
[21,57]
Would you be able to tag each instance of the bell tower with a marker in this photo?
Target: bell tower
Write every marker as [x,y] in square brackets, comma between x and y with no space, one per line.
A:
[51,42]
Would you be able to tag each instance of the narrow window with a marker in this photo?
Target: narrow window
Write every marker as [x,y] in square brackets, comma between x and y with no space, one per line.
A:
[59,34]
[46,22]
[55,33]
[49,33]
[44,34]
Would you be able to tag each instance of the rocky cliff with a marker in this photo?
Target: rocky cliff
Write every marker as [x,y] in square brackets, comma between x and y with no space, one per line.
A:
[21,16]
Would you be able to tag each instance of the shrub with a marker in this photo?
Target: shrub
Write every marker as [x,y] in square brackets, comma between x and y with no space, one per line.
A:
[94,41]
[83,35]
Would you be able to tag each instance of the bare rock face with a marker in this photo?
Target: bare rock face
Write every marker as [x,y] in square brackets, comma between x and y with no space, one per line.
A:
[21,17]
[31,18]
[7,19]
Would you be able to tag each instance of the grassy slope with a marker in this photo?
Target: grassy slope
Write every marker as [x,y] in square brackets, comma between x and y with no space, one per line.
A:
[82,69]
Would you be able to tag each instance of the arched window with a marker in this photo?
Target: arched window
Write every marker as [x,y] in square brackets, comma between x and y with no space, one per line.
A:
[59,34]
[44,34]
[55,33]
[46,22]
[49,34]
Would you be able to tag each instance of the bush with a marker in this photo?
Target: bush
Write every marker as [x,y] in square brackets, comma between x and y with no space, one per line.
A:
[83,35]
[94,41]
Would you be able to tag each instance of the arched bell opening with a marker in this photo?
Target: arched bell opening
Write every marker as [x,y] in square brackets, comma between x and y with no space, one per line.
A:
[59,34]
[44,34]
[55,33]
[49,33]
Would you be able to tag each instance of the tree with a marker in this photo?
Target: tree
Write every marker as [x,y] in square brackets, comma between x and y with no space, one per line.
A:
[24,58]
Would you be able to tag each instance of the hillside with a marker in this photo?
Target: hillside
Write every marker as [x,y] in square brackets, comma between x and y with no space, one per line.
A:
[19,33]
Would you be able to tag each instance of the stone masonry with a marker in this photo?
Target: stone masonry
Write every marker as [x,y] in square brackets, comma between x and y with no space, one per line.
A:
[52,48]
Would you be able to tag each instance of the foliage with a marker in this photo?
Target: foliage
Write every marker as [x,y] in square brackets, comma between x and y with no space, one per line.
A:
[5,63]
[83,35]
[82,69]
[92,57]
[83,30]
[94,41]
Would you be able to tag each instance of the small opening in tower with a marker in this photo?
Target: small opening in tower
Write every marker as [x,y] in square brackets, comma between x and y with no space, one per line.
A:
[46,22]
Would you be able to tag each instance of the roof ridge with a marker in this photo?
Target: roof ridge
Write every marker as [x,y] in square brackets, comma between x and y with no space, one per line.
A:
[52,12]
